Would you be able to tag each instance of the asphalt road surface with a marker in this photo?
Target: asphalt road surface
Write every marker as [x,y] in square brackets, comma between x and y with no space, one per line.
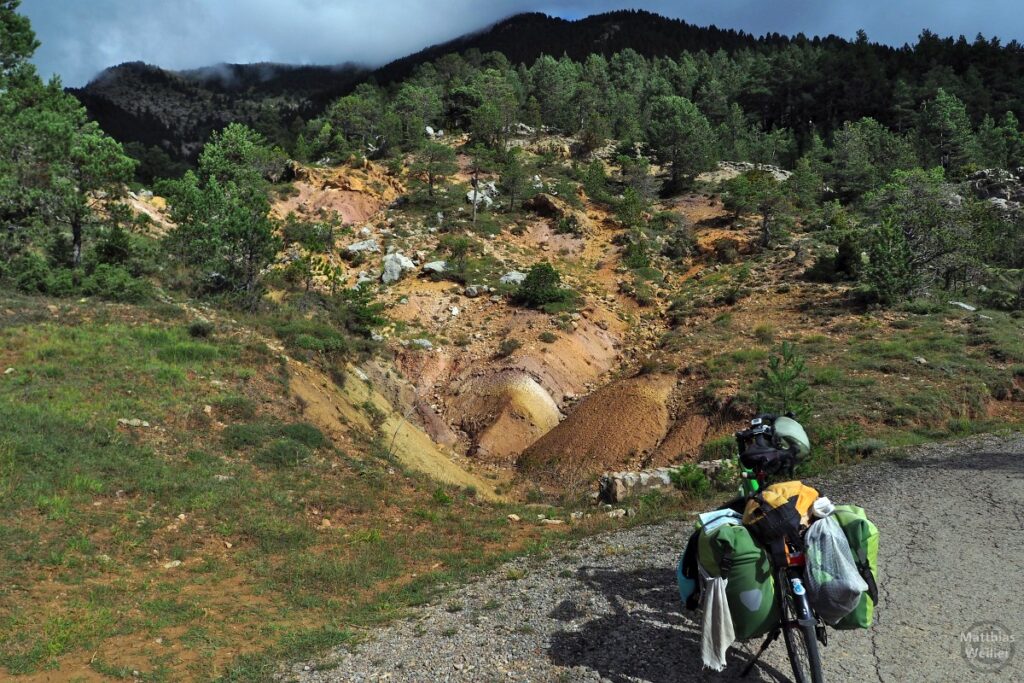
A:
[951,560]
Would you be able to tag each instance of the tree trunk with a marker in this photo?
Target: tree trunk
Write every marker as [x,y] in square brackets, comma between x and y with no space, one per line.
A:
[476,197]
[766,231]
[76,240]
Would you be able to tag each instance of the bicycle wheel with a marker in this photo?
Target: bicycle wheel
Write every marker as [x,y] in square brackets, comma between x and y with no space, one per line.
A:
[801,644]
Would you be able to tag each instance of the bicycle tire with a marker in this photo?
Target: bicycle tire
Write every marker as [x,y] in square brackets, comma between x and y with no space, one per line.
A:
[801,645]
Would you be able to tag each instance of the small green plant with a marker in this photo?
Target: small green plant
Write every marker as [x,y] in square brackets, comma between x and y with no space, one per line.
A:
[442,498]
[508,346]
[726,476]
[283,453]
[782,388]
[548,337]
[200,329]
[690,478]
[764,334]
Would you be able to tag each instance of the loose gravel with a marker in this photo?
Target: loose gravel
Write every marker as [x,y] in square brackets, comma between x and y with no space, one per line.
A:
[607,609]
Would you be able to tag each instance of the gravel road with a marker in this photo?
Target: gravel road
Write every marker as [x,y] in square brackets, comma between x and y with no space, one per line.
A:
[607,609]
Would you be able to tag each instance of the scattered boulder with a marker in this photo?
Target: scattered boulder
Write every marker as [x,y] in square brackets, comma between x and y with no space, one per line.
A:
[961,304]
[473,291]
[484,194]
[395,266]
[424,344]
[436,267]
[997,183]
[727,170]
[366,246]
[513,278]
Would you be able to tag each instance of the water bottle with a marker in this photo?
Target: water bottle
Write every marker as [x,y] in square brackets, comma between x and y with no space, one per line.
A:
[798,586]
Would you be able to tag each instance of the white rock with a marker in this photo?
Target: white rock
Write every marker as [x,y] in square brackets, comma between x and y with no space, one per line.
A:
[513,518]
[614,514]
[9,371]
[435,267]
[173,564]
[552,522]
[454,310]
[370,245]
[395,266]
[961,304]
[424,344]
[513,278]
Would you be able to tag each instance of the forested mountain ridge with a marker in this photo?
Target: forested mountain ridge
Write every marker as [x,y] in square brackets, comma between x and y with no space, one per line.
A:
[804,84]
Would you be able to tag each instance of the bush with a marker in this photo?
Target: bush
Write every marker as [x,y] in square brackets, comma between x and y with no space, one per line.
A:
[200,329]
[30,273]
[508,347]
[283,453]
[782,388]
[764,334]
[690,478]
[116,284]
[305,434]
[236,406]
[889,277]
[115,248]
[542,288]
[548,337]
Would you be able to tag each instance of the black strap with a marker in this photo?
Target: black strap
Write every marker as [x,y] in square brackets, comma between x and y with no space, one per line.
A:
[725,564]
[869,579]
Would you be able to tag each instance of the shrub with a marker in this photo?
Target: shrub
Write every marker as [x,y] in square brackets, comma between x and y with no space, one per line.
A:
[508,347]
[305,434]
[864,446]
[542,288]
[116,284]
[635,254]
[282,453]
[690,478]
[200,329]
[115,248]
[30,273]
[237,406]
[782,388]
[548,337]
[889,277]
[764,334]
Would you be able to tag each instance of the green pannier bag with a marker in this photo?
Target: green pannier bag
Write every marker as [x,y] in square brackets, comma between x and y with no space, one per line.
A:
[863,538]
[730,552]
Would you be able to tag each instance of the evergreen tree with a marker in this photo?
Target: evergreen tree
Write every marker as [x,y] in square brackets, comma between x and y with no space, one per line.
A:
[513,177]
[681,136]
[946,134]
[436,161]
[224,230]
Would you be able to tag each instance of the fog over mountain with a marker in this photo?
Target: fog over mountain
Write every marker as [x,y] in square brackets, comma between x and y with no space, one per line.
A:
[81,38]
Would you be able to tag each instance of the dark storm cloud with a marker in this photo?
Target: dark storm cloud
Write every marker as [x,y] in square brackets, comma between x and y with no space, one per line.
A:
[81,37]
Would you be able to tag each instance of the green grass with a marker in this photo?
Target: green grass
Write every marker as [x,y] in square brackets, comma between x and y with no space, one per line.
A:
[93,511]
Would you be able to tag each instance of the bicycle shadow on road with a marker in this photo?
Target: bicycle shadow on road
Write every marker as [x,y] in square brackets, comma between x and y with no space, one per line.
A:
[647,638]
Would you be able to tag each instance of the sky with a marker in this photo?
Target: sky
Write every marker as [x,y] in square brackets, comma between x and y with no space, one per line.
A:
[82,37]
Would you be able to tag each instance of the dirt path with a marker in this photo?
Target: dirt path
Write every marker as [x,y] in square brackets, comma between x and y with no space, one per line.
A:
[951,519]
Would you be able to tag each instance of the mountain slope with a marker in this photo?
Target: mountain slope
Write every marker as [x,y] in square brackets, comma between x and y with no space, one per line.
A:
[177,110]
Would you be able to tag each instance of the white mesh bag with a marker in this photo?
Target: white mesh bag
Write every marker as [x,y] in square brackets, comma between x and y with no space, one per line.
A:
[833,583]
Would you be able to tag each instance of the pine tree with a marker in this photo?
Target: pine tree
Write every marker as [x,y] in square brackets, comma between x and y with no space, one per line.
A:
[435,161]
